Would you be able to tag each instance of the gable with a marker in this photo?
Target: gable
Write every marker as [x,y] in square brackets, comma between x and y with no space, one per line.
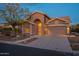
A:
[65,18]
[56,21]
[34,15]
[43,17]
[37,13]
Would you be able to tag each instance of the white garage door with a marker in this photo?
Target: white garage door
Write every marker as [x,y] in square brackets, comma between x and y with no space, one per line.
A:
[57,30]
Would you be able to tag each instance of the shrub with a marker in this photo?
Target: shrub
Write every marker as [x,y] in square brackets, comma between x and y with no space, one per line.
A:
[75,28]
[6,31]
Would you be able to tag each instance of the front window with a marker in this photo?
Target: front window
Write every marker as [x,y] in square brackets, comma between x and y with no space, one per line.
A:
[26,30]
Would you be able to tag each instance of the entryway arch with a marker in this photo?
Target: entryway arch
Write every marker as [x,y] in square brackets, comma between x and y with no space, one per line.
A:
[38,27]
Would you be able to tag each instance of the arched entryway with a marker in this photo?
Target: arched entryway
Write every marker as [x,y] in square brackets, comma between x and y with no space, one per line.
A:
[38,27]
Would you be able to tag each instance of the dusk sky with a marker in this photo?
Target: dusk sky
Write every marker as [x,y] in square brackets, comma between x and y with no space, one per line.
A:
[54,9]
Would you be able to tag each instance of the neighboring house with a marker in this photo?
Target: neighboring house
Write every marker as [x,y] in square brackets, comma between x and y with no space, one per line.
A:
[40,24]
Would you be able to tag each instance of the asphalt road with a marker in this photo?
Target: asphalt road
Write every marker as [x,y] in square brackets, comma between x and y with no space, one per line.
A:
[17,50]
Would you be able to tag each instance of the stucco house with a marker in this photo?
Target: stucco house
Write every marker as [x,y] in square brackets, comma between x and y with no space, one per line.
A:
[40,24]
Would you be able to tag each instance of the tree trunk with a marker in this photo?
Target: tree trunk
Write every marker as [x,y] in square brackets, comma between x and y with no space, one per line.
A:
[14,30]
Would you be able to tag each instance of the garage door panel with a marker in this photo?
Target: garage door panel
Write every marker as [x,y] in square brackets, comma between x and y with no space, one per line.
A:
[57,30]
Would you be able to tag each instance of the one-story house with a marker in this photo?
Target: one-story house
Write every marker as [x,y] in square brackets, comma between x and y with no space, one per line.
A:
[40,24]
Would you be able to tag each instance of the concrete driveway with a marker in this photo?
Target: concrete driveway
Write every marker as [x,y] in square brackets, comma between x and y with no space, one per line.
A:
[55,42]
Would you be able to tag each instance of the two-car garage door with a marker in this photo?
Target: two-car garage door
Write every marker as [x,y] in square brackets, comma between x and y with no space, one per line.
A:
[57,30]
